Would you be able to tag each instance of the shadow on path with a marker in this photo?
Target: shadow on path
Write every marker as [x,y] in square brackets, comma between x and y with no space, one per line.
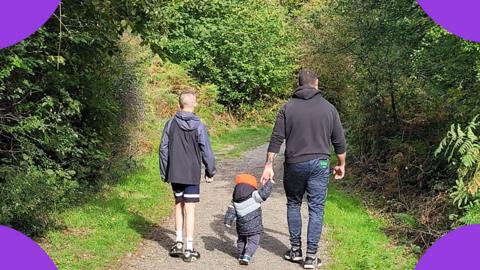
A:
[221,242]
[227,237]
[151,231]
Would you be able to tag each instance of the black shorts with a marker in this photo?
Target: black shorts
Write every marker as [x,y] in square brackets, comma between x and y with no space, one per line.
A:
[186,193]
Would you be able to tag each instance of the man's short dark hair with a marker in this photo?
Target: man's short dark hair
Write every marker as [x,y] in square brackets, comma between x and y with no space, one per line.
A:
[307,77]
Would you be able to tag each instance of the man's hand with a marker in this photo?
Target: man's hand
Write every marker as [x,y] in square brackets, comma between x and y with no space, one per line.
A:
[267,174]
[268,171]
[339,172]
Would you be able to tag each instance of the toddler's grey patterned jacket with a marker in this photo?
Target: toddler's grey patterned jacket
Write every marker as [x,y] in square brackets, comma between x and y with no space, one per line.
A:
[246,209]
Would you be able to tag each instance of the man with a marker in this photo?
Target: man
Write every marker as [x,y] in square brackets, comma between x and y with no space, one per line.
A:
[185,144]
[310,125]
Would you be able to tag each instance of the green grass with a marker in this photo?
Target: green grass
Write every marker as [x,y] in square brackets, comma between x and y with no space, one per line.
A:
[235,142]
[115,221]
[356,240]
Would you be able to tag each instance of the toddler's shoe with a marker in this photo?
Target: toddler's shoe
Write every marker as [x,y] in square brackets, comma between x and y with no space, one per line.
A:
[245,260]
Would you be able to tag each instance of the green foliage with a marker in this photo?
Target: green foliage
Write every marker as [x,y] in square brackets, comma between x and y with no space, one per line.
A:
[117,219]
[246,48]
[78,96]
[293,6]
[464,146]
[57,110]
[397,78]
[399,82]
[162,82]
[472,216]
[358,241]
[406,219]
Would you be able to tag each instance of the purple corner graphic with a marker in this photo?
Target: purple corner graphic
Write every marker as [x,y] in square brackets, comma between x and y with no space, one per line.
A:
[456,250]
[459,17]
[18,252]
[21,18]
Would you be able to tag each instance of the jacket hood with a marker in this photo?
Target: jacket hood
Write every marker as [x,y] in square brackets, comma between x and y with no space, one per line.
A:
[187,121]
[305,92]
[242,192]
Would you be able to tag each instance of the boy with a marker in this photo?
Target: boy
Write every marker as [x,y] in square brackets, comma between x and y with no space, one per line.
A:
[185,144]
[246,209]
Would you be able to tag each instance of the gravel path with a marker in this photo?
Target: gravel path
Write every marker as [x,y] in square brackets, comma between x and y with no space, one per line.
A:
[212,239]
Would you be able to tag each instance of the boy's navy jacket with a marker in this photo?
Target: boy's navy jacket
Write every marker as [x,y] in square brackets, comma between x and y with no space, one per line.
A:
[246,208]
[185,144]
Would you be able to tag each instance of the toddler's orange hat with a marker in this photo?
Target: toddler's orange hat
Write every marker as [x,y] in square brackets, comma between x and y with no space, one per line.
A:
[246,179]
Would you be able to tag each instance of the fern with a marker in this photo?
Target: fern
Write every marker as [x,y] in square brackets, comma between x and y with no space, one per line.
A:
[464,145]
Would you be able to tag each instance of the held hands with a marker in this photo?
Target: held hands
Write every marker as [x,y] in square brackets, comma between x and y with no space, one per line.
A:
[267,174]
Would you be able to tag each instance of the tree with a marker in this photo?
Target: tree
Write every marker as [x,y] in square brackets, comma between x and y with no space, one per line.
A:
[246,48]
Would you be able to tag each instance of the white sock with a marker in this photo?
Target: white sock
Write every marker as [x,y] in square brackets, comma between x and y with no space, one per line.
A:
[179,236]
[189,244]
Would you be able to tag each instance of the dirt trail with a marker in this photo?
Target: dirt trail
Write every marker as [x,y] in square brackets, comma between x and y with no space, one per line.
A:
[212,239]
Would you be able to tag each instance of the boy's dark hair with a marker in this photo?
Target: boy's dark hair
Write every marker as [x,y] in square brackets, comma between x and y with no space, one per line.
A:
[307,77]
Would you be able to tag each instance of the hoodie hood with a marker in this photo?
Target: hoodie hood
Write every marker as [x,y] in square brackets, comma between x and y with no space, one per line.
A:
[187,121]
[242,192]
[305,92]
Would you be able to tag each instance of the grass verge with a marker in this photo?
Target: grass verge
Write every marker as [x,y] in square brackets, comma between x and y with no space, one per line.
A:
[115,221]
[357,241]
[239,140]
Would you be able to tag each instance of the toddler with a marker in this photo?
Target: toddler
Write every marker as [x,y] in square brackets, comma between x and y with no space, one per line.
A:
[246,209]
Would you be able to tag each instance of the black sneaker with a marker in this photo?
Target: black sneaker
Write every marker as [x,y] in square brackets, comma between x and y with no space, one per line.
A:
[294,255]
[176,250]
[191,255]
[311,263]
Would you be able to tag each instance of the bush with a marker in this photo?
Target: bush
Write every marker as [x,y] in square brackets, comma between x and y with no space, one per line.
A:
[399,81]
[161,83]
[246,48]
[74,102]
[59,109]
[462,146]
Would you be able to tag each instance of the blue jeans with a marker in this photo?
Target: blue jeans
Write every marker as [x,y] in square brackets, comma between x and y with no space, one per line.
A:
[311,177]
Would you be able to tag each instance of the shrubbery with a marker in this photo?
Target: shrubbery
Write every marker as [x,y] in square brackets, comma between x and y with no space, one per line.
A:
[162,82]
[57,111]
[77,97]
[462,146]
[400,81]
[246,48]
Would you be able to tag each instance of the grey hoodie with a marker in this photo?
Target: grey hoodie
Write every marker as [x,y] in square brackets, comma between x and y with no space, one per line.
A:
[310,125]
[184,146]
